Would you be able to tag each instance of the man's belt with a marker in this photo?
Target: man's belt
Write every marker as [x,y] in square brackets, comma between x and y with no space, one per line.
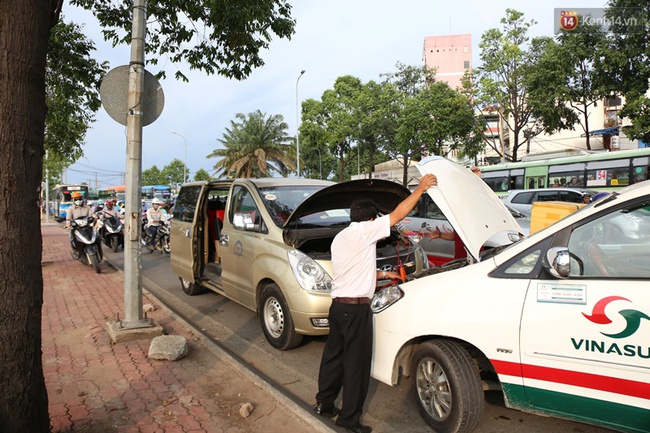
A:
[361,300]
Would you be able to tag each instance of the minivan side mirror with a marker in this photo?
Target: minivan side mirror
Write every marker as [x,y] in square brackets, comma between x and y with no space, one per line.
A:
[243,221]
[560,261]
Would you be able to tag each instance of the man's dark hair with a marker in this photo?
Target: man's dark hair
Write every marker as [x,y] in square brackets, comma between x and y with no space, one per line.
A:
[363,210]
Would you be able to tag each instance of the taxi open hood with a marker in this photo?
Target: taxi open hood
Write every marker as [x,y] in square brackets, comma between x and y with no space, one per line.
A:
[472,208]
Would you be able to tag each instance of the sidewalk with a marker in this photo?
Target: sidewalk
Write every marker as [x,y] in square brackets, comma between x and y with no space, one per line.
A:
[96,386]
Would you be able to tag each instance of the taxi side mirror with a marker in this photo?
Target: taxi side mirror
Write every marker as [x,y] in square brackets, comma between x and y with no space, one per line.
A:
[560,261]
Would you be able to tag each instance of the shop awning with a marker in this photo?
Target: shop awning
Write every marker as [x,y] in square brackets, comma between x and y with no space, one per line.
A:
[606,131]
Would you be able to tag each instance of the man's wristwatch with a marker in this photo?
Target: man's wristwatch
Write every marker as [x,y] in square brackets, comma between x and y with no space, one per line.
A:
[383,274]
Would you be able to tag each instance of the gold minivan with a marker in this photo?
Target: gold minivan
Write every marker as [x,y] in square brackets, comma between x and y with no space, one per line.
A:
[265,243]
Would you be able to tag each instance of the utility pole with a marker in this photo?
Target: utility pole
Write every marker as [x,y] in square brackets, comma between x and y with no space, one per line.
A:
[132,260]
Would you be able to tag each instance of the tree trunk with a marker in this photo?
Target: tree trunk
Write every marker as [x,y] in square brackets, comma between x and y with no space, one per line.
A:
[24,30]
[586,117]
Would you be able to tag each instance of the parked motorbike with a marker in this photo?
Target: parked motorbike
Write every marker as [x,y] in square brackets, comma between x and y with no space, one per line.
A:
[112,232]
[161,242]
[86,242]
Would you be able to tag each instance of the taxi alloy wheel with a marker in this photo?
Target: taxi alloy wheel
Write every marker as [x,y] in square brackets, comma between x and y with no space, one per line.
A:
[447,387]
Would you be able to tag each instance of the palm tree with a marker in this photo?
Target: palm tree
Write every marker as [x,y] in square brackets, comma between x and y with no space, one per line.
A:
[254,146]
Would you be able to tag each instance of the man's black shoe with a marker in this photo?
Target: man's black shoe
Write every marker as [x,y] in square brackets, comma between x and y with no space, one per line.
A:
[322,410]
[360,428]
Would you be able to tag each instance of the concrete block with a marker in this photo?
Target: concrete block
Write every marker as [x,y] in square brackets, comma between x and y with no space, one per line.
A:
[118,334]
[168,347]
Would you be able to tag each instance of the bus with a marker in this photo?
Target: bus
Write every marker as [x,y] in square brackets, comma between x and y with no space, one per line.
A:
[93,194]
[112,192]
[162,192]
[597,170]
[61,197]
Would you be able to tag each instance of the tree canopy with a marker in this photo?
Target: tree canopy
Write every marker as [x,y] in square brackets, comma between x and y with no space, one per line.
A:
[72,79]
[254,146]
[217,37]
[500,80]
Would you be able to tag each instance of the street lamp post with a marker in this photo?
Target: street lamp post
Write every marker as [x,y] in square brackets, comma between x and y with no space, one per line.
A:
[185,160]
[298,127]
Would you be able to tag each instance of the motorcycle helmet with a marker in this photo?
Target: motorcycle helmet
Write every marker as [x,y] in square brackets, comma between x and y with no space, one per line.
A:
[156,201]
[77,198]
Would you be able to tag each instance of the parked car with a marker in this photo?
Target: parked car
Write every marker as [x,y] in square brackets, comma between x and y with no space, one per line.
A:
[265,243]
[427,218]
[559,322]
[523,199]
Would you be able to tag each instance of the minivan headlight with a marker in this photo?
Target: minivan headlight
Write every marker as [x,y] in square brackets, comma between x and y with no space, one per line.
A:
[385,298]
[309,274]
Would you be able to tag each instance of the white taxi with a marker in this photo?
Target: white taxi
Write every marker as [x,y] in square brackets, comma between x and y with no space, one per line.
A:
[558,321]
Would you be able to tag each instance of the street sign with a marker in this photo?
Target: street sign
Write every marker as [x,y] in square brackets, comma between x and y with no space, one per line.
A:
[114,92]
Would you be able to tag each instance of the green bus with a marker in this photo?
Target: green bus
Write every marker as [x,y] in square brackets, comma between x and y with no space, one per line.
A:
[598,170]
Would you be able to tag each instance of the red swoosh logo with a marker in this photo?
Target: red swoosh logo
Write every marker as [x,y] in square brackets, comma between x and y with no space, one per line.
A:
[598,314]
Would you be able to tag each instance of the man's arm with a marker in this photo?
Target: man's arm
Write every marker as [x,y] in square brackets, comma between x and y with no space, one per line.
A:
[407,205]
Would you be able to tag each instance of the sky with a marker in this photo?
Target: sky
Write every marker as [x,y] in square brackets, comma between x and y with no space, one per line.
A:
[363,38]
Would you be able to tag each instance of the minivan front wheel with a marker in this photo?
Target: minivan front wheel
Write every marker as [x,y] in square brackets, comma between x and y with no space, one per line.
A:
[276,319]
[447,387]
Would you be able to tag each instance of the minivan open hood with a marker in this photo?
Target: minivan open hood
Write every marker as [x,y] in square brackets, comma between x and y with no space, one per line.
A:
[386,195]
[472,208]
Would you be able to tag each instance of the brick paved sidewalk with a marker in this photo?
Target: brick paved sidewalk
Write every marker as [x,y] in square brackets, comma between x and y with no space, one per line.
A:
[96,386]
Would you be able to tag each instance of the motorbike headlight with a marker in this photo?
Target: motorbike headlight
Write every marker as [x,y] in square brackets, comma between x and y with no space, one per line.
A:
[385,298]
[309,274]
[81,222]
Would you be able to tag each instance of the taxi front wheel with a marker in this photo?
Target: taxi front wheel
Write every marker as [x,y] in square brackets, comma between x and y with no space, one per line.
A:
[447,387]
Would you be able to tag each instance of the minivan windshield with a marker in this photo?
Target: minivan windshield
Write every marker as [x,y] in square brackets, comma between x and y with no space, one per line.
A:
[281,201]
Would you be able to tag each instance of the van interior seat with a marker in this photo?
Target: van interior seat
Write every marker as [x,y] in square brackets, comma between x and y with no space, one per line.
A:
[215,223]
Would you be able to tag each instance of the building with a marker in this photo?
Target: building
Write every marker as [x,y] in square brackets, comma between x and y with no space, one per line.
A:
[450,55]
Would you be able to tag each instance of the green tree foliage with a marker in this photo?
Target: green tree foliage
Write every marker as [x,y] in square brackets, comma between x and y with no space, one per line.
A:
[425,117]
[201,175]
[335,118]
[566,78]
[316,160]
[254,146]
[404,117]
[375,112]
[218,37]
[500,84]
[628,63]
[72,95]
[152,176]
[172,173]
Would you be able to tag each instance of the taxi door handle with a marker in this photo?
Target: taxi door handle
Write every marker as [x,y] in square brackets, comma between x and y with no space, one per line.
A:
[223,240]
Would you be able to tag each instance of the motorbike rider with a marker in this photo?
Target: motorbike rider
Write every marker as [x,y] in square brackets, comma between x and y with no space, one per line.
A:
[109,210]
[154,217]
[79,210]
[100,205]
